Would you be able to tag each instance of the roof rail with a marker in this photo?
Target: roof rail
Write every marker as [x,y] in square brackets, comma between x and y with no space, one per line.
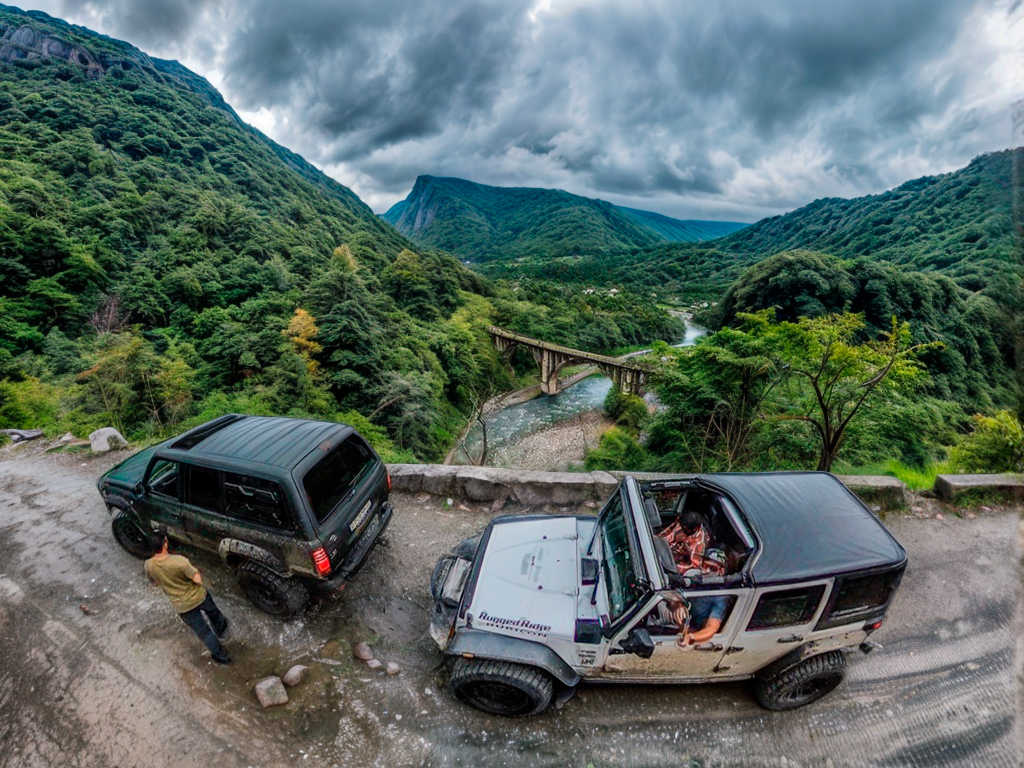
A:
[193,437]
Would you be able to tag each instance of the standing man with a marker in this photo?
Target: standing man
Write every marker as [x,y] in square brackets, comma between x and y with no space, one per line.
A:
[183,585]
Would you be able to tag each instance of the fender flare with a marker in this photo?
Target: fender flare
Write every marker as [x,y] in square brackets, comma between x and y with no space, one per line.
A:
[474,643]
[244,549]
[117,503]
[790,660]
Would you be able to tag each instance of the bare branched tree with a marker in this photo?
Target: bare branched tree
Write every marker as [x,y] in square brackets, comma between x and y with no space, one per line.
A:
[107,318]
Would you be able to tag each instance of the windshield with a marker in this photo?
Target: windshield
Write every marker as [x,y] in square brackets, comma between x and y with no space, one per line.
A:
[337,473]
[619,561]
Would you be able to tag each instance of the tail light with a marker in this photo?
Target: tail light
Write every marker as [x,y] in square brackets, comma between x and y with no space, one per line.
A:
[388,475]
[873,626]
[321,561]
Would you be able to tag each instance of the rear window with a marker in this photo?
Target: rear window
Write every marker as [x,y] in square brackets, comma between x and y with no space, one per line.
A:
[337,473]
[860,596]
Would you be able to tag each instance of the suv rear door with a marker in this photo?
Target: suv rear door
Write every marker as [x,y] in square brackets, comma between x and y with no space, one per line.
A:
[345,486]
[778,621]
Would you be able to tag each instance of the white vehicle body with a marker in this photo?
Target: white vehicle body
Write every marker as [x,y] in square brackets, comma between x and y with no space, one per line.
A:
[578,596]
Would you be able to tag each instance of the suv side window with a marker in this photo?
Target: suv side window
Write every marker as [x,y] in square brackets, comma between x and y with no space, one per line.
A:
[257,501]
[163,478]
[201,488]
[786,608]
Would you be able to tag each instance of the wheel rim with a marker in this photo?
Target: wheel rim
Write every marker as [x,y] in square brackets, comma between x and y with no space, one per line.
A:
[265,597]
[496,697]
[809,690]
[131,536]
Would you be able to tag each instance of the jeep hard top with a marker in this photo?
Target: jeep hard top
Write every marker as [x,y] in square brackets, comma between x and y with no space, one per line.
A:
[539,603]
[290,504]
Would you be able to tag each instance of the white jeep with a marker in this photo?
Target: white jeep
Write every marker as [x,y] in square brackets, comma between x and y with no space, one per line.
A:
[538,603]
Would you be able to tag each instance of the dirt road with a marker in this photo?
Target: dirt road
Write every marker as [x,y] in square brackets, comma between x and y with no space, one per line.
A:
[128,685]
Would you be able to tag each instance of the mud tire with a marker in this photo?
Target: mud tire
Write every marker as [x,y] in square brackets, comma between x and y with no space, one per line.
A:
[501,687]
[130,535]
[284,598]
[800,685]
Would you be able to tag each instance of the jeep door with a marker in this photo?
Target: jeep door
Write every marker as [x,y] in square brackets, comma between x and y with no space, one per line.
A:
[670,661]
[161,503]
[779,620]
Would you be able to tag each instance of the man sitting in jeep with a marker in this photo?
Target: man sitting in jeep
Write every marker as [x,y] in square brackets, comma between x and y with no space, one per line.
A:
[689,539]
[697,619]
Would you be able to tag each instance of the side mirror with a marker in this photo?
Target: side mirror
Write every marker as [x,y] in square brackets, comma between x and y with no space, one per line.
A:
[639,642]
[139,489]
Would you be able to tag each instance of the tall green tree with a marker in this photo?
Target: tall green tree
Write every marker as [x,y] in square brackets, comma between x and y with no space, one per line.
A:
[830,373]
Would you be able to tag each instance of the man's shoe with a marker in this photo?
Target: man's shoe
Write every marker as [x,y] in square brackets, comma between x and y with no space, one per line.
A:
[222,659]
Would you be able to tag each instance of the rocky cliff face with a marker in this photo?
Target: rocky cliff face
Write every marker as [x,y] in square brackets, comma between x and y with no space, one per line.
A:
[25,43]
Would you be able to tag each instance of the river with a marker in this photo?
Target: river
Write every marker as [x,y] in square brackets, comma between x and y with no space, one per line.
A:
[518,421]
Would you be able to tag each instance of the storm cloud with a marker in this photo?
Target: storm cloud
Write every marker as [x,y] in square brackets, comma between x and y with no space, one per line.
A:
[735,110]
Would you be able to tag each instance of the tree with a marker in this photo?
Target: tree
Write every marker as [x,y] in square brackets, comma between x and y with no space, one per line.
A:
[715,391]
[831,373]
[300,332]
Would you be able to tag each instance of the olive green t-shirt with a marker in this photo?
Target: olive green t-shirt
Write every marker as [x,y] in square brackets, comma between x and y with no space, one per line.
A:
[173,574]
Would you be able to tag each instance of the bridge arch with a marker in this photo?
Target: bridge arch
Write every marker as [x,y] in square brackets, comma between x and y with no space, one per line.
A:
[628,376]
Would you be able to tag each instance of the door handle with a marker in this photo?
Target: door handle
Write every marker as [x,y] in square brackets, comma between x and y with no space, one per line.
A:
[791,639]
[709,647]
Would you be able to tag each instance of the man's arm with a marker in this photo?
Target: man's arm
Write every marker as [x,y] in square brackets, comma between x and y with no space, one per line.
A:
[703,635]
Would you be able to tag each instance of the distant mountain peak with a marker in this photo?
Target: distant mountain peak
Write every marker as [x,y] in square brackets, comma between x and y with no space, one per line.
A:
[481,222]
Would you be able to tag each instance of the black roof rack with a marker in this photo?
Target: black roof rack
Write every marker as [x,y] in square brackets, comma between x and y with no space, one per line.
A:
[193,437]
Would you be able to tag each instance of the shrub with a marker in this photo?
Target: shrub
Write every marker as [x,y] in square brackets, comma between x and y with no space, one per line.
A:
[618,450]
[995,445]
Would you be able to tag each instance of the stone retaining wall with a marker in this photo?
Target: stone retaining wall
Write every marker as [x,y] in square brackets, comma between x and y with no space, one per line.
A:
[532,488]
[1003,487]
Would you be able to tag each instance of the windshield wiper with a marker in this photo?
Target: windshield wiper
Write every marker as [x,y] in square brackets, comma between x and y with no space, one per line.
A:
[597,581]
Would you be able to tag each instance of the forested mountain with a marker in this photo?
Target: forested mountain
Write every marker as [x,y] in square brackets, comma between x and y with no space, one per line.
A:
[162,262]
[957,224]
[483,223]
[683,230]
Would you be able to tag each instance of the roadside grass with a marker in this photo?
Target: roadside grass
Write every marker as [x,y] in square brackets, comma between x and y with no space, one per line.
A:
[916,478]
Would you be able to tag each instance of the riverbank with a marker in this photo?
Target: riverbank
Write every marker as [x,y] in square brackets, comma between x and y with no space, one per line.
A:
[556,448]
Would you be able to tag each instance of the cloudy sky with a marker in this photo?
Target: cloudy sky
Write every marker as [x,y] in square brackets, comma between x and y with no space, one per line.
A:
[731,110]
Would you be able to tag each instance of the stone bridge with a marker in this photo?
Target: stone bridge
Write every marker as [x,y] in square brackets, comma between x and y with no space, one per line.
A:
[628,376]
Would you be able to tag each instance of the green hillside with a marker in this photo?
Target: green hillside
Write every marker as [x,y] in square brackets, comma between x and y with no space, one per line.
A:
[162,263]
[683,230]
[957,225]
[482,223]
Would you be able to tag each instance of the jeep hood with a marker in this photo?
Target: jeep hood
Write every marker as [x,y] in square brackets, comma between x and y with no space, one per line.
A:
[130,471]
[527,582]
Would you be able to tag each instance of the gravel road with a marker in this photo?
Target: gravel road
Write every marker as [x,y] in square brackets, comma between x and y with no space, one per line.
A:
[124,683]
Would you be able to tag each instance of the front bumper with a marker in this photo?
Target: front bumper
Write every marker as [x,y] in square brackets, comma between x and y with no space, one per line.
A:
[358,554]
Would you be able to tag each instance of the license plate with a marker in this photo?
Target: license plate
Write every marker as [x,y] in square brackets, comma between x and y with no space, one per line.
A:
[361,517]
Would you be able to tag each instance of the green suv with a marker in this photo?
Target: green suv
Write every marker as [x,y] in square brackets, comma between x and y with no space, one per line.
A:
[292,505]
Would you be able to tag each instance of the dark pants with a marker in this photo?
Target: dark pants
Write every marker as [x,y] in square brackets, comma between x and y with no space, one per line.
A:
[209,623]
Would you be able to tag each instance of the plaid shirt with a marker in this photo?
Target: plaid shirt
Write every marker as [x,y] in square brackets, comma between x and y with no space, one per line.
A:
[688,550]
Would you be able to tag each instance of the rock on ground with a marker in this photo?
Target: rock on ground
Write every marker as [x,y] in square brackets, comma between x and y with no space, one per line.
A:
[294,675]
[362,651]
[270,691]
[393,669]
[106,439]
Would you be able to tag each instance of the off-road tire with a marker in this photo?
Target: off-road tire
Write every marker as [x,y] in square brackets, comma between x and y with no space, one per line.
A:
[800,685]
[501,687]
[284,598]
[130,535]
